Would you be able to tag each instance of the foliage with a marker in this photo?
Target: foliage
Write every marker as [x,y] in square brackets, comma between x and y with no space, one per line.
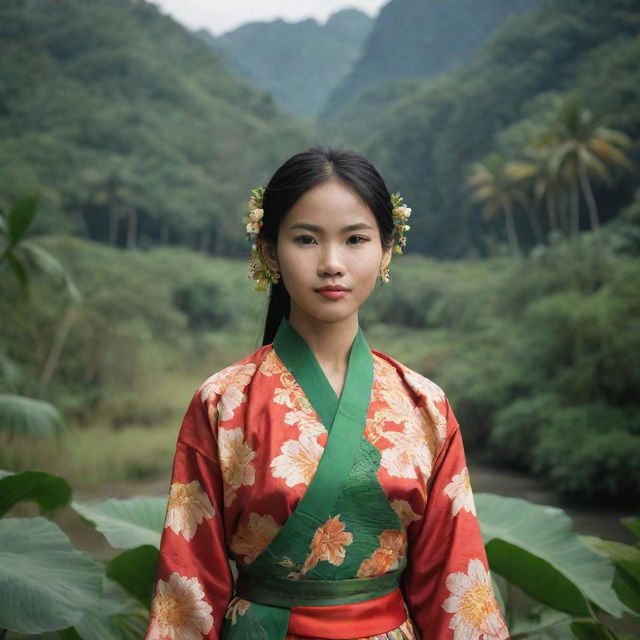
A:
[48,585]
[430,42]
[144,314]
[426,138]
[534,548]
[128,126]
[29,416]
[87,599]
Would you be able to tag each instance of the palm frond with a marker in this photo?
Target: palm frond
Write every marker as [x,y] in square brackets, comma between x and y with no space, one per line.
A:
[24,416]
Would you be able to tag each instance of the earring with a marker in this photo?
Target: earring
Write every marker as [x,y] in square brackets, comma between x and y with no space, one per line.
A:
[384,275]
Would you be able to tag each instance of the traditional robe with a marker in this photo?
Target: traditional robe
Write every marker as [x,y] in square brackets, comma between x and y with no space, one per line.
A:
[346,517]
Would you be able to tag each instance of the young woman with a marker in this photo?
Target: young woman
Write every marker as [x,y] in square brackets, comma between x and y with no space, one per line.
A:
[330,473]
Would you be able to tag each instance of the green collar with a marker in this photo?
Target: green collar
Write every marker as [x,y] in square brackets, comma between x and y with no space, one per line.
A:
[297,356]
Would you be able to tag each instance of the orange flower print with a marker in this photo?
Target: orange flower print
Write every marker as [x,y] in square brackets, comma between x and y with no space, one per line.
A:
[328,544]
[229,384]
[476,615]
[298,460]
[272,365]
[179,610]
[236,462]
[405,512]
[393,545]
[237,607]
[254,536]
[288,394]
[437,420]
[188,506]
[408,454]
[307,422]
[459,490]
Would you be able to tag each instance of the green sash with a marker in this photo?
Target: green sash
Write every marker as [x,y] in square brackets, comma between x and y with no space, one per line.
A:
[264,582]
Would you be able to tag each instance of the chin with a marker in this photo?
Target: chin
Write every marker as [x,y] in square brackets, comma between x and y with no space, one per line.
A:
[330,315]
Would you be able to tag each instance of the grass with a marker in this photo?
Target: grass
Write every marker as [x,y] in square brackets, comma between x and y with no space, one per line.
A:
[96,455]
[90,455]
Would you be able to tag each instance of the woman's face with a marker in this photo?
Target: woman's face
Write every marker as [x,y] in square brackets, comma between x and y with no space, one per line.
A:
[329,253]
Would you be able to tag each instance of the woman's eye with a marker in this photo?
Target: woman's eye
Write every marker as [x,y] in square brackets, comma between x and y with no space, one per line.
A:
[305,240]
[357,239]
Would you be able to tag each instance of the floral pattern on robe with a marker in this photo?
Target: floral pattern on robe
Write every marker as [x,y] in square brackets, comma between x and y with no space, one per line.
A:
[248,448]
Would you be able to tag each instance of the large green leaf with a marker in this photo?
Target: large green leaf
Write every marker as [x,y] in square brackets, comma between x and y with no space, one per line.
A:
[592,630]
[24,416]
[127,524]
[117,616]
[49,491]
[135,570]
[44,582]
[626,558]
[534,547]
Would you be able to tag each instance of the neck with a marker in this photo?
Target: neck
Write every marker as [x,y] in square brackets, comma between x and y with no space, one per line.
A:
[330,342]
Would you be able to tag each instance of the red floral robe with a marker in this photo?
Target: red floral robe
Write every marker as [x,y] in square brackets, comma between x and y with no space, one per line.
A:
[247,450]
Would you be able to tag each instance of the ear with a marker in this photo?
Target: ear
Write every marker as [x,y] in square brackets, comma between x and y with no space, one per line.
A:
[269,253]
[386,257]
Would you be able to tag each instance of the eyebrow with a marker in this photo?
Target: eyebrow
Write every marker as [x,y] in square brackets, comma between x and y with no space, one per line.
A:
[316,229]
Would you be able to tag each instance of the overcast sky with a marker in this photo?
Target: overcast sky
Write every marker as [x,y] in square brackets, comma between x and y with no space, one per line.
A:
[219,16]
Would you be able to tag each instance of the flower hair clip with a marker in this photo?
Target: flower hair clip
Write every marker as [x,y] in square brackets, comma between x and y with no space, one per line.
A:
[260,271]
[401,214]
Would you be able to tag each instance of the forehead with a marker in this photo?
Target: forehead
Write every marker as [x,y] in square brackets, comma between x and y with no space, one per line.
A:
[330,203]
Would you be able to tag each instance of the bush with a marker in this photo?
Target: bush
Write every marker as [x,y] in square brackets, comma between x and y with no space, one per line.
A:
[517,427]
[591,453]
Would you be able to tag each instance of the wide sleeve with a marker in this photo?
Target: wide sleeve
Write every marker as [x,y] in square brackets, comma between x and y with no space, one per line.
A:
[446,583]
[193,580]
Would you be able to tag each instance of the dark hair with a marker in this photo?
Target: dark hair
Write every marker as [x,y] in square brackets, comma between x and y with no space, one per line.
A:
[299,174]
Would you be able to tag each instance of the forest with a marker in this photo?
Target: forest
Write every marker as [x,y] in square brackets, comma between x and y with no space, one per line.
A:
[129,149]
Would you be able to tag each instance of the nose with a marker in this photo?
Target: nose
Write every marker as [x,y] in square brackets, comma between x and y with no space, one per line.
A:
[331,262]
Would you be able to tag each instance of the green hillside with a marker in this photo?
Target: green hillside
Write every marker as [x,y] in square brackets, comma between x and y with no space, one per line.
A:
[422,38]
[129,127]
[425,135]
[299,63]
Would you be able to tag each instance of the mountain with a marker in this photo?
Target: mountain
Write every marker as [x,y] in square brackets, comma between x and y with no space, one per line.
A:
[419,38]
[299,63]
[129,127]
[424,134]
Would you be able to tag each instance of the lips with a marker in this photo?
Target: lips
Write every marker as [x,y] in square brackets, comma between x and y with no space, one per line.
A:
[333,292]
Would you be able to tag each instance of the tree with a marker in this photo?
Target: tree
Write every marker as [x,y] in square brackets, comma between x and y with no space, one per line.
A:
[581,145]
[22,255]
[537,173]
[496,189]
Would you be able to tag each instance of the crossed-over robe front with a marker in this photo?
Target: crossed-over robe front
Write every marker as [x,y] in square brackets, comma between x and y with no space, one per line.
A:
[394,552]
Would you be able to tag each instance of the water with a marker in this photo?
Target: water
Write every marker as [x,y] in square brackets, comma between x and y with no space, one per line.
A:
[595,521]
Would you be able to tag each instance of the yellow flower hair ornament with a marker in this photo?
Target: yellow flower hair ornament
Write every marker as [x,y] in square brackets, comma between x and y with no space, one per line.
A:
[258,268]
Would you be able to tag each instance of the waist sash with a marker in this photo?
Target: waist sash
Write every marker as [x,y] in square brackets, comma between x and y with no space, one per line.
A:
[285,592]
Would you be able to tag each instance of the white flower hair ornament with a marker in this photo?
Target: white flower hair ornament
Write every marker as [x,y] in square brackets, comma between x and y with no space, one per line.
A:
[260,271]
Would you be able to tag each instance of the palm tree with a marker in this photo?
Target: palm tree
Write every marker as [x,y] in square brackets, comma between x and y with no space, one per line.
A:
[496,189]
[547,185]
[22,255]
[581,146]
